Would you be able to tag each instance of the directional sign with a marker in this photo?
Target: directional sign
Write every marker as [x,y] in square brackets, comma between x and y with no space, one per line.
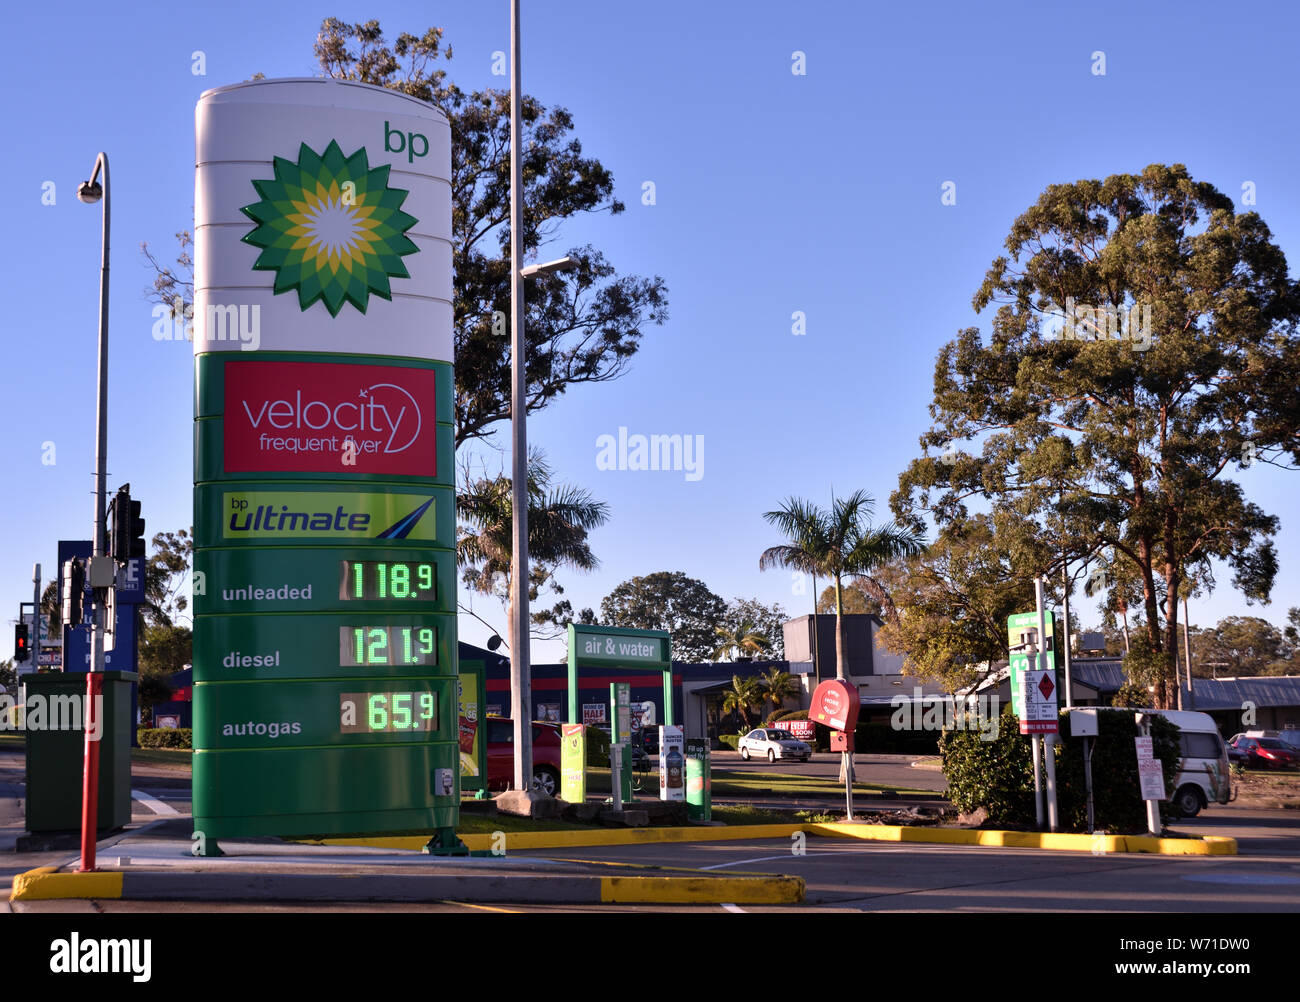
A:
[326,691]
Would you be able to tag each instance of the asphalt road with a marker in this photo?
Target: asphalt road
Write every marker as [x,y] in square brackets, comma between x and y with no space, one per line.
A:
[842,875]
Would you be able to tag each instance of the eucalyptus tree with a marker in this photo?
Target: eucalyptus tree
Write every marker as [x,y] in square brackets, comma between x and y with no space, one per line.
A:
[1142,356]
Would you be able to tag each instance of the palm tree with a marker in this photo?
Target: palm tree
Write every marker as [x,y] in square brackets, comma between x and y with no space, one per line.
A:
[559,519]
[778,686]
[742,695]
[835,544]
[742,642]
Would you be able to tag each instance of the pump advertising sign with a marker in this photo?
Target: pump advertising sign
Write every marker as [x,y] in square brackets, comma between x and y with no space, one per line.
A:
[672,763]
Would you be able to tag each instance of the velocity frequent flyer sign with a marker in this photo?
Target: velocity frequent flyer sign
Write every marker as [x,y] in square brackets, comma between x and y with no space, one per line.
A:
[315,417]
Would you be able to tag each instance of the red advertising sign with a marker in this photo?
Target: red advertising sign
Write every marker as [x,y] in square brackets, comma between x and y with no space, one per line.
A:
[316,417]
[801,729]
[835,704]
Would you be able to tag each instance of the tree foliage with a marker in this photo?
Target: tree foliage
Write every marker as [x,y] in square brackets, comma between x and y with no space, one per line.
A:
[1123,445]
[769,623]
[669,600]
[581,326]
[560,517]
[840,544]
[952,605]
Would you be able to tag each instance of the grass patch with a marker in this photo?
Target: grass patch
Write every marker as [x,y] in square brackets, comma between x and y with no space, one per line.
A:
[180,758]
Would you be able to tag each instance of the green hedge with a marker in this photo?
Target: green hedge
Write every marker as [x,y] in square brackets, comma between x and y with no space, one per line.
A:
[998,774]
[165,737]
[729,740]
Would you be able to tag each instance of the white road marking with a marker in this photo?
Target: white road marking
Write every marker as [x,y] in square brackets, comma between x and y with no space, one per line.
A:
[735,908]
[155,805]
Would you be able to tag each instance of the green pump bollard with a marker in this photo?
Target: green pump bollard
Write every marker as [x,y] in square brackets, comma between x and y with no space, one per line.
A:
[699,782]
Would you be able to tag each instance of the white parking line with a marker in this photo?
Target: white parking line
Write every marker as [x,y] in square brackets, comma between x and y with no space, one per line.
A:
[155,805]
[735,908]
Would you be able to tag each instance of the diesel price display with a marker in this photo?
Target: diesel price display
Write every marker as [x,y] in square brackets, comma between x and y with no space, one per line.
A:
[361,646]
[384,579]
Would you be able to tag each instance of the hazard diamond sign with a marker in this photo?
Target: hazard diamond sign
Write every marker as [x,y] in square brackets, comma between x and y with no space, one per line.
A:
[1040,716]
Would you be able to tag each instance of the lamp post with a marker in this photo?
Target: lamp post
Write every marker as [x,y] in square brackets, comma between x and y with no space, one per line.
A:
[521,694]
[91,192]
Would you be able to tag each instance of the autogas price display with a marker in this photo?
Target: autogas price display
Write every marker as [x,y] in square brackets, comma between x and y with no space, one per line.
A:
[366,646]
[370,580]
[387,712]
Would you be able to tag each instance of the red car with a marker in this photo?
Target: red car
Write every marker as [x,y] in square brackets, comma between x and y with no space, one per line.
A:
[1262,753]
[501,755]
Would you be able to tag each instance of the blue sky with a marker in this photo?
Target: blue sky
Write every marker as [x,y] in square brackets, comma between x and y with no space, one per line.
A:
[774,193]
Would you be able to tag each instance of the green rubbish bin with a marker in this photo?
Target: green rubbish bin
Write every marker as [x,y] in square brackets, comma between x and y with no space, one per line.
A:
[699,784]
[56,750]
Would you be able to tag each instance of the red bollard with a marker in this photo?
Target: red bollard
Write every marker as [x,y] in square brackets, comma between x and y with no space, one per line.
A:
[90,777]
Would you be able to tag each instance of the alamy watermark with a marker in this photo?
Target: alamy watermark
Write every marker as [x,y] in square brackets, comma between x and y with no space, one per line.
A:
[229,322]
[40,712]
[683,453]
[919,712]
[1082,322]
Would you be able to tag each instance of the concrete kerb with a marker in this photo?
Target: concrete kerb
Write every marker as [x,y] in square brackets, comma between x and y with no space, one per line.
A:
[50,882]
[1201,845]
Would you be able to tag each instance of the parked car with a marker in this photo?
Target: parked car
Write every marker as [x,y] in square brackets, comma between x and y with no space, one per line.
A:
[501,757]
[773,743]
[1262,753]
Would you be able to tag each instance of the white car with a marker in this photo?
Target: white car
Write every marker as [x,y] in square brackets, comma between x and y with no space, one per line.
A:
[773,743]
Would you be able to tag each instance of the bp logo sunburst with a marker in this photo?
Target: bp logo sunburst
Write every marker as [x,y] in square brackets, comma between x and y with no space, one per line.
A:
[330,227]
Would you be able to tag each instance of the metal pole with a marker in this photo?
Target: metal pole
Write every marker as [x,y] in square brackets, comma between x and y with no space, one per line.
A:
[1065,630]
[848,787]
[520,666]
[1187,654]
[36,620]
[95,678]
[1153,808]
[1049,759]
[1038,780]
[101,417]
[1087,781]
[1041,664]
[817,668]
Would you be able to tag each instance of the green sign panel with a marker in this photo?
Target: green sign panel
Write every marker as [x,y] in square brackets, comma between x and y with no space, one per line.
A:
[1019,626]
[611,646]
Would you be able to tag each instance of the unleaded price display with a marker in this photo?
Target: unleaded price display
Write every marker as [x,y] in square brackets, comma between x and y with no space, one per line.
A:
[363,580]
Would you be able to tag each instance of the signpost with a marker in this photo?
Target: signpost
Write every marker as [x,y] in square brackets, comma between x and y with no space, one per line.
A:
[836,704]
[326,691]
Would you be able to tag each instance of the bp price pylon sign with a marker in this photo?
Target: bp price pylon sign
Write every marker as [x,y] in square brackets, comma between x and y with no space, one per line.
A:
[325,681]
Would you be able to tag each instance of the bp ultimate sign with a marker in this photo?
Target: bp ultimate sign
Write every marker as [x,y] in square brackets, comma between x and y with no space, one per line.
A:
[325,677]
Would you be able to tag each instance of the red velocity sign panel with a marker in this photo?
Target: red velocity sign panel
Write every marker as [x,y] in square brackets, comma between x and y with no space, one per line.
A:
[315,417]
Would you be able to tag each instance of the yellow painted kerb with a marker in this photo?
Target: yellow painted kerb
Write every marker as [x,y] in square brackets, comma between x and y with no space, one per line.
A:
[702,890]
[45,883]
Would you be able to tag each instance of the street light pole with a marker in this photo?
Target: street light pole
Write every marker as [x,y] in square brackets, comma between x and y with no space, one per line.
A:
[91,192]
[520,666]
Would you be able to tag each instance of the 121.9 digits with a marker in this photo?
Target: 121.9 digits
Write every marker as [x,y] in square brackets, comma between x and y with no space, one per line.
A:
[361,646]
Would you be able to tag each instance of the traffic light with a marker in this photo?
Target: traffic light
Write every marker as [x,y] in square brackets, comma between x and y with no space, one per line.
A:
[126,529]
[74,588]
[21,649]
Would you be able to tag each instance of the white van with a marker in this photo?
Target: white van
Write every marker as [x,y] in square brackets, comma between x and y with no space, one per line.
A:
[1203,776]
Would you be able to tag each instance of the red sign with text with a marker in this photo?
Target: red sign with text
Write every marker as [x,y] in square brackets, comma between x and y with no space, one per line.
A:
[835,704]
[315,417]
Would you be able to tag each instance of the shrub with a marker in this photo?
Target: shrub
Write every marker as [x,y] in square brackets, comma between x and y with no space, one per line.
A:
[1116,794]
[164,737]
[996,775]
[729,740]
